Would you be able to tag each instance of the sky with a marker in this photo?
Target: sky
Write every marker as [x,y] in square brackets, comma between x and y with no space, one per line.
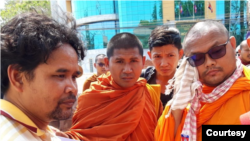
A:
[2,3]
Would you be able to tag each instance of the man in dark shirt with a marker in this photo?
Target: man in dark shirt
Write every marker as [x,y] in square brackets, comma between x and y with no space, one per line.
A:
[165,52]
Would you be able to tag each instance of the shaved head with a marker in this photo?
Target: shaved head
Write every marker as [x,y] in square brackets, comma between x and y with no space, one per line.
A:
[206,38]
[243,43]
[201,29]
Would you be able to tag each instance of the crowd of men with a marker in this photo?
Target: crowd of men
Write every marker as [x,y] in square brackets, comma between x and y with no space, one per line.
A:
[198,82]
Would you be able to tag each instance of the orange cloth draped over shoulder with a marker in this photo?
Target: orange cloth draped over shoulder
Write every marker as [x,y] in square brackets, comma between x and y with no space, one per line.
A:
[225,110]
[87,83]
[109,112]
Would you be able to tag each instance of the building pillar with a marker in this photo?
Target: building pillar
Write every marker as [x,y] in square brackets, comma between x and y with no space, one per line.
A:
[208,13]
[168,11]
[68,6]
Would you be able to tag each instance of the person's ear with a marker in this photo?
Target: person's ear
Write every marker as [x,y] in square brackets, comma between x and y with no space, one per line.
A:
[143,60]
[106,60]
[15,78]
[233,42]
[95,65]
[149,54]
[248,42]
[181,53]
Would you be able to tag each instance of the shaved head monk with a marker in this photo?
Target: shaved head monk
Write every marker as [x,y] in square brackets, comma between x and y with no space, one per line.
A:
[211,85]
[120,105]
[244,52]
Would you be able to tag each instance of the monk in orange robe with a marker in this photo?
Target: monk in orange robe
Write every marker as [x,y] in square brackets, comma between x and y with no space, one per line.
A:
[215,63]
[120,105]
[100,69]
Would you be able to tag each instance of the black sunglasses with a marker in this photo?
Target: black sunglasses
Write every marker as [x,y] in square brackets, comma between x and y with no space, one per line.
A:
[214,53]
[101,64]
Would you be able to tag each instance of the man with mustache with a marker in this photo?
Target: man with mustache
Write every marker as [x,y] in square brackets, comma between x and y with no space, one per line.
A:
[65,125]
[211,86]
[244,53]
[100,69]
[39,67]
[120,105]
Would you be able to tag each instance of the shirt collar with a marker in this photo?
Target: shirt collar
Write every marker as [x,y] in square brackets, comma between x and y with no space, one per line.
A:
[9,110]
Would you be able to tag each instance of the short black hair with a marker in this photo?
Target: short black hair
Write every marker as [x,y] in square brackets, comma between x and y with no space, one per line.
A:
[164,35]
[103,55]
[124,40]
[28,39]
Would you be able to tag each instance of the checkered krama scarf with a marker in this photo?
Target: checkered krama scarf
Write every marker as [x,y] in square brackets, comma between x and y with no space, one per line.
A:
[188,89]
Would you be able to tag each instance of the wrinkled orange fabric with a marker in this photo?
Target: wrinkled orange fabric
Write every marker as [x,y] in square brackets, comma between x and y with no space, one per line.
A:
[226,110]
[155,93]
[87,83]
[109,112]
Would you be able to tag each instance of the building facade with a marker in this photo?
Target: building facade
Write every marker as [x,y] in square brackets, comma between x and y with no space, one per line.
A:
[98,20]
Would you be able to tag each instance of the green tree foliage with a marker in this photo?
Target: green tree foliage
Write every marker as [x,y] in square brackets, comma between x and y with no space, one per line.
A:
[160,11]
[227,13]
[243,5]
[14,7]
[151,24]
[238,22]
[154,14]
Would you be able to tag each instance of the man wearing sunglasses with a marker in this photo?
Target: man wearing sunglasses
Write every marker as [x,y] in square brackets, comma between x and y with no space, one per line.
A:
[100,69]
[210,81]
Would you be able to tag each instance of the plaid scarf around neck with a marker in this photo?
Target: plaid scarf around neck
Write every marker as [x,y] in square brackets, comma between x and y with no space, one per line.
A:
[188,89]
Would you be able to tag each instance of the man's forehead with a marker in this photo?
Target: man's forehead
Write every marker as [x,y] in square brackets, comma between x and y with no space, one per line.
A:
[129,52]
[244,44]
[162,52]
[100,58]
[200,31]
[210,36]
[124,56]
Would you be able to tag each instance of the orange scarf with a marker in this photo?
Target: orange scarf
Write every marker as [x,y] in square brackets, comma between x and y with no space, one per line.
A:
[107,111]
[208,109]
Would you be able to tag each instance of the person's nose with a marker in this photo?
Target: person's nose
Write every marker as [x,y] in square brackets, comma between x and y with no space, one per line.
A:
[164,62]
[209,61]
[127,68]
[71,87]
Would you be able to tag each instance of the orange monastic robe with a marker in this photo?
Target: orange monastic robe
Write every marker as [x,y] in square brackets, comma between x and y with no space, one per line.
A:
[87,83]
[226,110]
[109,112]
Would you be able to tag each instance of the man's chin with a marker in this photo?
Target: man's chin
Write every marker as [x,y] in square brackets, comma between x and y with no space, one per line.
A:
[212,83]
[60,114]
[127,85]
